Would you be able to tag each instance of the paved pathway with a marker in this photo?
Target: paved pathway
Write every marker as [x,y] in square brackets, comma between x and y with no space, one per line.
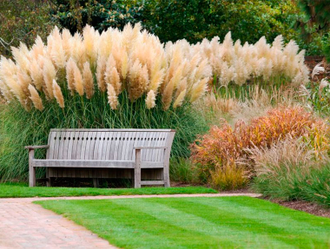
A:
[27,225]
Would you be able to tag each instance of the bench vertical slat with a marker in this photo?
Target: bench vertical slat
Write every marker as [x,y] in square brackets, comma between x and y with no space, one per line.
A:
[74,145]
[101,149]
[143,144]
[90,150]
[109,146]
[56,144]
[68,154]
[125,141]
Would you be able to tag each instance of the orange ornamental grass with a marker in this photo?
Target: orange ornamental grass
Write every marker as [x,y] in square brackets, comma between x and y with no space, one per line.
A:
[225,145]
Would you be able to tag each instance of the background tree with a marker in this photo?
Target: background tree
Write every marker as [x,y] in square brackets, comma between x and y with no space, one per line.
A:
[314,23]
[22,21]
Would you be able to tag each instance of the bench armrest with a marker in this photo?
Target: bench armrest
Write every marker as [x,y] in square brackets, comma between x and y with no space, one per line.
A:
[150,148]
[33,147]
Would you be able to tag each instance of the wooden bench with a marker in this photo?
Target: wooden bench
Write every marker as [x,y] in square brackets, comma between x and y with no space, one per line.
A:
[139,154]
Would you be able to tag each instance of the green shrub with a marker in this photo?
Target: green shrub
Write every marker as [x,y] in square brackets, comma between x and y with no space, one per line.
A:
[196,19]
[101,14]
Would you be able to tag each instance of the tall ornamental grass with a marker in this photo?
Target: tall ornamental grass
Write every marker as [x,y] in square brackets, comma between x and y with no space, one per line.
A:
[110,80]
[289,171]
[223,156]
[261,62]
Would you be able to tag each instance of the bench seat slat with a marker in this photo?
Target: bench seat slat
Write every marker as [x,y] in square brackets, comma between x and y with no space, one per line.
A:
[94,163]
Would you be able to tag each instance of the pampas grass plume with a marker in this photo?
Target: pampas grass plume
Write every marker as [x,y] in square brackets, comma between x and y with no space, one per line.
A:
[70,74]
[58,94]
[88,79]
[179,100]
[100,71]
[35,98]
[199,89]
[78,81]
[151,99]
[112,97]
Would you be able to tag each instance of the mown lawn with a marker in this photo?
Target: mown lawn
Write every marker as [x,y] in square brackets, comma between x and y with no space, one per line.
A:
[22,190]
[196,222]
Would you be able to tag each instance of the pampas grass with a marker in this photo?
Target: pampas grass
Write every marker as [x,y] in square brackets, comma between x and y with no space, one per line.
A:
[135,61]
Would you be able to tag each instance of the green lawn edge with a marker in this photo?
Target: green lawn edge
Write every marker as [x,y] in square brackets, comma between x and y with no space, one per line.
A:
[10,190]
[196,222]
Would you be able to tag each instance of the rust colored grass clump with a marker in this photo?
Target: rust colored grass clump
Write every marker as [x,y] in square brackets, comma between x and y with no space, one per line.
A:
[225,147]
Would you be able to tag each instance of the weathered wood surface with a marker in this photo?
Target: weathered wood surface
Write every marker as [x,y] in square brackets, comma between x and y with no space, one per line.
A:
[95,153]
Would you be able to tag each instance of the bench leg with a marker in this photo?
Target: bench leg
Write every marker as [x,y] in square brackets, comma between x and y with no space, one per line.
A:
[96,182]
[32,170]
[137,169]
[166,176]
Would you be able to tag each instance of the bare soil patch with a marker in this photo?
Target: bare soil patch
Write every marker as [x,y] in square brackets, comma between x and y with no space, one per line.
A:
[305,206]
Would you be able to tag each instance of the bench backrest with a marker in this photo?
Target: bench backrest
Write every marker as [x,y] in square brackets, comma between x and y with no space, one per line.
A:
[108,144]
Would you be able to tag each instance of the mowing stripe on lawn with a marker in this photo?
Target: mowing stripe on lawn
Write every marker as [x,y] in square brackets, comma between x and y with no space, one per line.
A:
[203,222]
[217,232]
[267,214]
[264,224]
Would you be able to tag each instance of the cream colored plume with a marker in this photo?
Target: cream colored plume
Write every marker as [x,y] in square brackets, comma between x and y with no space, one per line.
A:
[58,94]
[100,71]
[199,89]
[318,69]
[49,74]
[70,66]
[5,91]
[179,100]
[35,98]
[151,99]
[78,80]
[88,79]
[138,80]
[112,97]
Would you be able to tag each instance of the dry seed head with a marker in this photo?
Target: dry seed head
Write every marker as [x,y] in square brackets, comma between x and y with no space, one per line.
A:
[157,80]
[179,100]
[100,71]
[88,79]
[181,87]
[58,94]
[199,89]
[138,79]
[24,80]
[49,74]
[151,99]
[78,81]
[35,98]
[70,74]
[167,95]
[5,91]
[112,97]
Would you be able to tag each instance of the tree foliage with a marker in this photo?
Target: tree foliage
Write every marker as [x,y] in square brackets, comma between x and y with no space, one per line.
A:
[101,14]
[22,21]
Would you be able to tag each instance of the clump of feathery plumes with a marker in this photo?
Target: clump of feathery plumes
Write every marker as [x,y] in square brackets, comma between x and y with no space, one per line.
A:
[136,62]
[111,62]
[239,64]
